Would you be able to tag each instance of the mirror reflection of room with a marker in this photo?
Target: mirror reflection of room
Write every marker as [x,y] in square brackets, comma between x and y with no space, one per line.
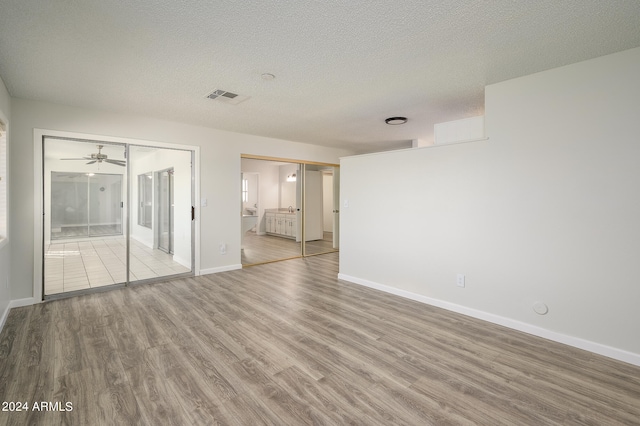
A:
[272,210]
[321,209]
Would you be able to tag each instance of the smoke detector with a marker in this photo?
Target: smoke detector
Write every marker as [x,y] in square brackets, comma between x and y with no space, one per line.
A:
[227,97]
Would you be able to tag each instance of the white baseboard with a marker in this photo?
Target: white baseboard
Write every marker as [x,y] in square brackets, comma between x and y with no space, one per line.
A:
[3,317]
[600,349]
[142,241]
[220,269]
[18,303]
[184,262]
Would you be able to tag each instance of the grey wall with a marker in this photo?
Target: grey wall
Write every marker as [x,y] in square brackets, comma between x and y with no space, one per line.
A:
[220,174]
[546,210]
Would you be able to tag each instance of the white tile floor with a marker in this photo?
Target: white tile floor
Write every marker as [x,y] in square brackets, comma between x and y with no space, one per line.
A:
[79,265]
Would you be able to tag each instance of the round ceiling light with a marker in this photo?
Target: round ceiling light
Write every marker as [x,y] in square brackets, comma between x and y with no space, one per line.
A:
[268,76]
[394,121]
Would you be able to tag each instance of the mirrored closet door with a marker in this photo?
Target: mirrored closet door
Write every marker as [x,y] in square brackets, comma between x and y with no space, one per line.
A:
[321,209]
[288,209]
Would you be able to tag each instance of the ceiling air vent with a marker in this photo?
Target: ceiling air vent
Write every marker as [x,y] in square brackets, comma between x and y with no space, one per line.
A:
[227,97]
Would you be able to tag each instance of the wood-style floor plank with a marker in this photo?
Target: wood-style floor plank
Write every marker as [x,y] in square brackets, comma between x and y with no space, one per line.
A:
[153,391]
[289,344]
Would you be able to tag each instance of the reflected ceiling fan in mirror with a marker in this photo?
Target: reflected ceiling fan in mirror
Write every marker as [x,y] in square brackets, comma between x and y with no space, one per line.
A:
[99,157]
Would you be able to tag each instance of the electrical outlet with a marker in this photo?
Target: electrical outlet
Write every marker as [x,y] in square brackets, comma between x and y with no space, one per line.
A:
[540,308]
[223,248]
[460,280]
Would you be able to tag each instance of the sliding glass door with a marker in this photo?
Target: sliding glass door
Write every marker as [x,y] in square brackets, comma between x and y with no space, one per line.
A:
[84,240]
[85,205]
[91,237]
[161,242]
[69,205]
[105,204]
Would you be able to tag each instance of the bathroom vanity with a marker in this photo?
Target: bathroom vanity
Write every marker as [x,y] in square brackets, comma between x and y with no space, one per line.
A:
[281,222]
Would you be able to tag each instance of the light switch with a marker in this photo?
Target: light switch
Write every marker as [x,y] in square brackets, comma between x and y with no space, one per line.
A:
[203,202]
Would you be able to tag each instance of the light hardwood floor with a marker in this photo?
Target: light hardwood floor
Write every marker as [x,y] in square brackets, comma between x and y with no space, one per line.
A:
[268,248]
[289,344]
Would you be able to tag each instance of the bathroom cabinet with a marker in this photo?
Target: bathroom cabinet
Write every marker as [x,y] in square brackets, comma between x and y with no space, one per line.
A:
[281,224]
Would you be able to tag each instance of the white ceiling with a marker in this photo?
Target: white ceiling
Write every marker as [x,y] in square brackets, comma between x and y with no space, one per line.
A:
[341,67]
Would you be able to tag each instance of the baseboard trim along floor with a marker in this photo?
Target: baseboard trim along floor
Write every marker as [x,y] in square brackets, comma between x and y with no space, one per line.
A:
[576,342]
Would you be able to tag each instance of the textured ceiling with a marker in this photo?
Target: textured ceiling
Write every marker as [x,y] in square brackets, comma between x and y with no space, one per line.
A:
[341,67]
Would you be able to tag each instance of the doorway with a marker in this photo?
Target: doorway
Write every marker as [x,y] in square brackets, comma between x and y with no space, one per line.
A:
[103,223]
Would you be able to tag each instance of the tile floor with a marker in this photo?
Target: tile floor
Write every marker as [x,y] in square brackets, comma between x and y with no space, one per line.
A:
[78,265]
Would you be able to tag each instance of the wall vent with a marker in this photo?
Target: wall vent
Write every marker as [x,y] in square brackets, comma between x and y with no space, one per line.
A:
[227,97]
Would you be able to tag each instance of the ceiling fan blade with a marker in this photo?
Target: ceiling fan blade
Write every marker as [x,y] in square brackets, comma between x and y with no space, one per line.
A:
[91,162]
[84,158]
[116,162]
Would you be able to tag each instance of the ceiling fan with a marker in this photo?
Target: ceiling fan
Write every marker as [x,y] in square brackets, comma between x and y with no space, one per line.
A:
[99,157]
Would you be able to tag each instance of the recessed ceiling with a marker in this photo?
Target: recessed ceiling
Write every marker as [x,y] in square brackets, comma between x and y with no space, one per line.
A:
[342,67]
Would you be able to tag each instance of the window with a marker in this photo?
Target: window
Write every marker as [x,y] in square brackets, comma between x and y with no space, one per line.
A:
[3,180]
[145,198]
[245,190]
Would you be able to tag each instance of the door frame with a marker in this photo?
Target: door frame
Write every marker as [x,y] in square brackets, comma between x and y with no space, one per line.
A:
[38,194]
[158,212]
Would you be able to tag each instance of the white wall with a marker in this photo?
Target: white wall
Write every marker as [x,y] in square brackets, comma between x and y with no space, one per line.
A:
[546,210]
[220,173]
[5,247]
[288,196]
[269,186]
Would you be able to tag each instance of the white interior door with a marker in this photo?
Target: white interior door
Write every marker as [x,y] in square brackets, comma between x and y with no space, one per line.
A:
[313,211]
